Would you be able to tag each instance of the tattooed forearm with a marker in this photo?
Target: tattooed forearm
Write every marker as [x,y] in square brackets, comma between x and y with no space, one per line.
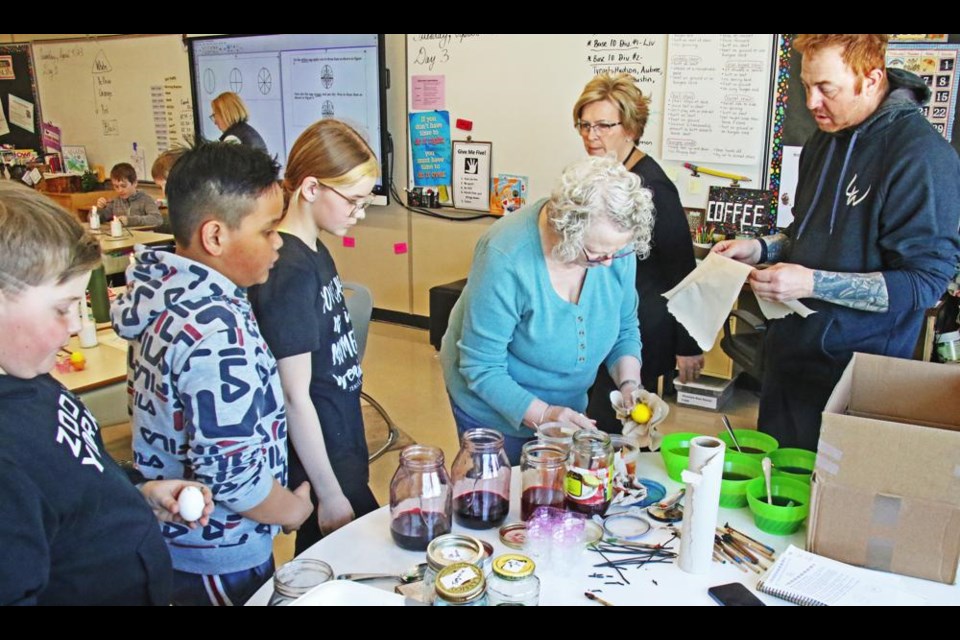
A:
[864,291]
[776,247]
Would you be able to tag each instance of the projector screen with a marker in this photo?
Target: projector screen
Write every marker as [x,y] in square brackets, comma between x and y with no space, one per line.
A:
[289,81]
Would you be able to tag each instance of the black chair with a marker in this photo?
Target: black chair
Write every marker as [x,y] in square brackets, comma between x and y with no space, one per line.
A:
[745,347]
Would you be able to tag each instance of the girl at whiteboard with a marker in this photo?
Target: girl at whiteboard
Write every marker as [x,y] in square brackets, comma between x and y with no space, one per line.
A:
[231,115]
[610,116]
[302,313]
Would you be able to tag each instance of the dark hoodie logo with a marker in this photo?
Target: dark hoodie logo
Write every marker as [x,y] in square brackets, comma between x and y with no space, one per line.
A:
[853,191]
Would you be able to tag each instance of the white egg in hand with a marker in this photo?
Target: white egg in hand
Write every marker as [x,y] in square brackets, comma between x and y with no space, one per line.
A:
[191,503]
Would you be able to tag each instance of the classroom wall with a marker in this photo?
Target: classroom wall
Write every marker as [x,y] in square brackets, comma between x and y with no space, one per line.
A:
[438,251]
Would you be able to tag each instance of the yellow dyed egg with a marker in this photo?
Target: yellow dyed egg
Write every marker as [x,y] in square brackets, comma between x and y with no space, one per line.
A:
[641,413]
[78,361]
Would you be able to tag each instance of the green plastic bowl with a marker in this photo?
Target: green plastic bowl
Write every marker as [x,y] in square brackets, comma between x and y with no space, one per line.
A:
[675,449]
[733,492]
[751,439]
[787,461]
[779,520]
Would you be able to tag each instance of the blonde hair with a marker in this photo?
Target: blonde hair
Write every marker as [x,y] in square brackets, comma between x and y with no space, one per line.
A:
[594,188]
[229,107]
[164,162]
[333,153]
[862,52]
[621,90]
[39,241]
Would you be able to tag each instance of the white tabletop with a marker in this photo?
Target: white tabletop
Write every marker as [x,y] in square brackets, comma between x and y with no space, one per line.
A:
[365,545]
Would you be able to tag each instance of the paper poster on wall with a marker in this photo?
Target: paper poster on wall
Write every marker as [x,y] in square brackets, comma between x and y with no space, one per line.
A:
[4,128]
[742,212]
[428,92]
[937,66]
[6,68]
[21,113]
[718,86]
[509,193]
[430,148]
[471,175]
[789,172]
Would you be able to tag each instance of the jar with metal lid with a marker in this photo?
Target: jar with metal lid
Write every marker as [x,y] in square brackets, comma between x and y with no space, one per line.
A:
[589,481]
[481,480]
[513,582]
[421,500]
[297,577]
[543,468]
[446,550]
[461,585]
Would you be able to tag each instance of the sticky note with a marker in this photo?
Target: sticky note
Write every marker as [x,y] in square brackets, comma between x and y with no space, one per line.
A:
[400,248]
[349,242]
[693,185]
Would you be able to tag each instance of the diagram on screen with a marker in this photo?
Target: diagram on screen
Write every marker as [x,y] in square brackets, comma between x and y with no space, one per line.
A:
[209,81]
[326,76]
[264,81]
[236,80]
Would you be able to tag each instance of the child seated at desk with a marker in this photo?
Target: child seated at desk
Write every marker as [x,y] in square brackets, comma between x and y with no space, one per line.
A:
[132,206]
[74,529]
[160,171]
[207,402]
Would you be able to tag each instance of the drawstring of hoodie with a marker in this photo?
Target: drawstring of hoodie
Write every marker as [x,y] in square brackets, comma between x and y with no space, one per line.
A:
[816,195]
[823,175]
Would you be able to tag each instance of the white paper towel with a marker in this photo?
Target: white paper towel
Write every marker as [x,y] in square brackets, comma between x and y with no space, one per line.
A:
[703,300]
[701,504]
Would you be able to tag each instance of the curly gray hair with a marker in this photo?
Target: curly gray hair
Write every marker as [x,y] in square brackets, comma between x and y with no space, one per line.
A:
[598,187]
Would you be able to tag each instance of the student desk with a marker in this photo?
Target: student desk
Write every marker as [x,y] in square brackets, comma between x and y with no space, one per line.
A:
[131,238]
[102,383]
[365,546]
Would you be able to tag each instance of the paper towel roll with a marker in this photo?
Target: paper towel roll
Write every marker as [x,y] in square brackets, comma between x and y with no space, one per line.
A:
[702,503]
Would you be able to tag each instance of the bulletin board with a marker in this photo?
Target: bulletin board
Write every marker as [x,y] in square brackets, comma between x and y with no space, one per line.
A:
[710,98]
[17,80]
[109,94]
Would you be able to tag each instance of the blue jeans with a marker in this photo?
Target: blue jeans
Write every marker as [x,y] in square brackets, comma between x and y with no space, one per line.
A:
[512,445]
[226,589]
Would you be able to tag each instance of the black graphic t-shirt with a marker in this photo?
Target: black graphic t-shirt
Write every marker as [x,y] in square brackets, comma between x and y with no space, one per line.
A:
[301,309]
[73,529]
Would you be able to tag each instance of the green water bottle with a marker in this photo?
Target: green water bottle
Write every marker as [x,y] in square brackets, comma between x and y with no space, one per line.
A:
[99,301]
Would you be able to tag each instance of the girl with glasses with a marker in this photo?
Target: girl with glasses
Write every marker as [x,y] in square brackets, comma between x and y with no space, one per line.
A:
[610,116]
[535,320]
[302,313]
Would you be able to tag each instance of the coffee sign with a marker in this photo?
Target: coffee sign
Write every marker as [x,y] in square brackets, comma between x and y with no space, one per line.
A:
[740,211]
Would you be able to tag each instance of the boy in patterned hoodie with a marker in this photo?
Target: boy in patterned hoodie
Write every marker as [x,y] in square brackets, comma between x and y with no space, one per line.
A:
[207,403]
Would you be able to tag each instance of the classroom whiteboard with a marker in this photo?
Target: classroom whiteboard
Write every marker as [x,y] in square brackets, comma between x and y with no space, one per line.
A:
[518,91]
[109,94]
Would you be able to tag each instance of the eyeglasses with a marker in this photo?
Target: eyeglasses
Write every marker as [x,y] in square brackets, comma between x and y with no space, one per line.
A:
[593,262]
[602,128]
[213,117]
[360,204]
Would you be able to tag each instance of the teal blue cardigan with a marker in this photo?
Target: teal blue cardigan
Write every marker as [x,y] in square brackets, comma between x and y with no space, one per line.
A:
[511,338]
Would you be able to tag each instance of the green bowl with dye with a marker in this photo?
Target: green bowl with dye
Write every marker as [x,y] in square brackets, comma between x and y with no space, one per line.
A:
[794,463]
[780,518]
[738,471]
[752,443]
[675,449]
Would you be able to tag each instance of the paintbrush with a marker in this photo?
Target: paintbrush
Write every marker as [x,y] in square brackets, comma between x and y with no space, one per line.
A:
[596,598]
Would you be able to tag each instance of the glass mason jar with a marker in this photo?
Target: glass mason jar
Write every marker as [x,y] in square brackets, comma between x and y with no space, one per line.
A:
[589,486]
[446,550]
[421,502]
[461,585]
[512,582]
[295,578]
[481,480]
[557,433]
[543,468]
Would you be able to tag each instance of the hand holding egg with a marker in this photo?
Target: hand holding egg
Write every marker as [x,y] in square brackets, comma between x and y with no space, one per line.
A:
[191,503]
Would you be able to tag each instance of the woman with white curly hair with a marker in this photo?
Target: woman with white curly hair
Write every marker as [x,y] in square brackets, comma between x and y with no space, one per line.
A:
[551,295]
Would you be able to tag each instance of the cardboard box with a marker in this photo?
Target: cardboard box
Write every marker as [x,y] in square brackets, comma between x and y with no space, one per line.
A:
[705,392]
[886,489]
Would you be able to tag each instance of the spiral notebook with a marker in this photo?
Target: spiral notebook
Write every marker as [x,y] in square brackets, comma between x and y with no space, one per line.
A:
[810,580]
